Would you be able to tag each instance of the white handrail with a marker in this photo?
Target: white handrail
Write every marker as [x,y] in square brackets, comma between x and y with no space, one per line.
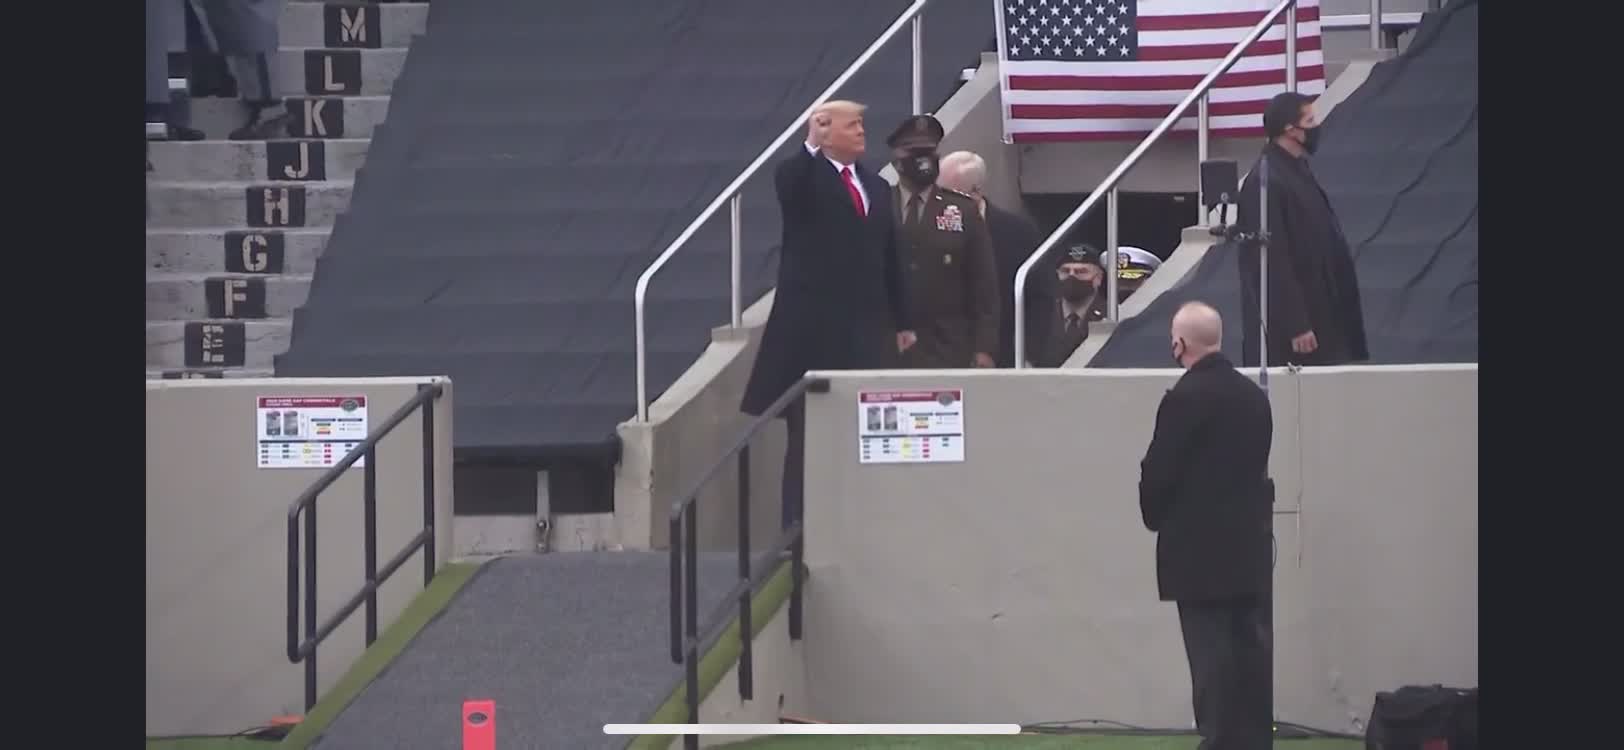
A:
[1107,188]
[731,192]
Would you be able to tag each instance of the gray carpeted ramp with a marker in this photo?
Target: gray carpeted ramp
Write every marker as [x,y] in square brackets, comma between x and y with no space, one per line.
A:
[536,161]
[1399,161]
[564,643]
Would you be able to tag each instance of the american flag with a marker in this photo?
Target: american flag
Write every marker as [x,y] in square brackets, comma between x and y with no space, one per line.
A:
[1106,70]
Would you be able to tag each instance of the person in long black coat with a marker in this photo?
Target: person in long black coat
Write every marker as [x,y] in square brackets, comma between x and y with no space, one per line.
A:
[1315,315]
[1204,490]
[1014,237]
[840,301]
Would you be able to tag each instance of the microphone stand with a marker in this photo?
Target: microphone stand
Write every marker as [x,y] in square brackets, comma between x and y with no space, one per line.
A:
[1261,238]
[1230,232]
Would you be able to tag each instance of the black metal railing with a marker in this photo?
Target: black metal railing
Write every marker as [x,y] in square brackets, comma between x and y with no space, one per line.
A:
[688,642]
[314,633]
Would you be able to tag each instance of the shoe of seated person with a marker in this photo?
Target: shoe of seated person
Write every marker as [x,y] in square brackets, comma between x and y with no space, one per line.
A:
[275,126]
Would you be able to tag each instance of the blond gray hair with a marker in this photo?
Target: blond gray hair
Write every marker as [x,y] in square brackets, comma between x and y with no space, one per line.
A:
[964,171]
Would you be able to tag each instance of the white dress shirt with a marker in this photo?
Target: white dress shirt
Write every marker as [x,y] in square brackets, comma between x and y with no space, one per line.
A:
[862,191]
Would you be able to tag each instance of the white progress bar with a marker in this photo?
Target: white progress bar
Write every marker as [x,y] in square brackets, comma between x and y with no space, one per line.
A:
[857,729]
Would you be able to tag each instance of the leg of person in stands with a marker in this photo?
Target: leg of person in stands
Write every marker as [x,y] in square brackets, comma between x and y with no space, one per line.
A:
[165,21]
[256,82]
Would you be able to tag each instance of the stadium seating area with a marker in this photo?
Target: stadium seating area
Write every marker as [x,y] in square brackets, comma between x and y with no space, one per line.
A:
[471,189]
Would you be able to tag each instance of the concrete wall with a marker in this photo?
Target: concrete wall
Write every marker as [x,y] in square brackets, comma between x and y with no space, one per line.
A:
[217,547]
[690,427]
[1020,584]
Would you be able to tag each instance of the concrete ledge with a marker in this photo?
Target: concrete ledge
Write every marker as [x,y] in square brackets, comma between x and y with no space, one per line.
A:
[249,161]
[206,373]
[185,296]
[1372,55]
[205,250]
[360,116]
[227,204]
[689,427]
[378,68]
[264,339]
[304,24]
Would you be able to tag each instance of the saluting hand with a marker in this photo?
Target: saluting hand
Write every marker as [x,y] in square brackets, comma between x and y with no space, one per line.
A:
[817,128]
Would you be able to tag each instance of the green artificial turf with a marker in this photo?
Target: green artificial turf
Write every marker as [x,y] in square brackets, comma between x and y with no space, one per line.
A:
[417,615]
[1018,742]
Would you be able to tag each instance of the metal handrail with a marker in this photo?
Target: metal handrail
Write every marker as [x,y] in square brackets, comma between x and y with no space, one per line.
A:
[304,649]
[690,638]
[1107,188]
[731,192]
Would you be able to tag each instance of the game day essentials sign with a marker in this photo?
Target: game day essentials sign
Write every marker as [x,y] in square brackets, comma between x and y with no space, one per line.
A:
[910,426]
[309,432]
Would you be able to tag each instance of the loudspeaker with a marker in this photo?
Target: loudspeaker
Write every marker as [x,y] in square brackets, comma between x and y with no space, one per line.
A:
[1220,183]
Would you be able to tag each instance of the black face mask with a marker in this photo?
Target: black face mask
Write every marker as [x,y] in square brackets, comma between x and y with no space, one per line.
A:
[1176,354]
[919,169]
[1074,290]
[1311,138]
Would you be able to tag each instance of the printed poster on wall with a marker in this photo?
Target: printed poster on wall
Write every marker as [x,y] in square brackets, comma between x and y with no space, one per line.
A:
[901,427]
[309,432]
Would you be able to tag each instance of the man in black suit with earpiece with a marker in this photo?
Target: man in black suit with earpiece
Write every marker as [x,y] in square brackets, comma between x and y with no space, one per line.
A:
[840,302]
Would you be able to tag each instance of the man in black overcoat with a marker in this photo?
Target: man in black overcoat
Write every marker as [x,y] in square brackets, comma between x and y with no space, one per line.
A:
[1204,490]
[1315,317]
[840,302]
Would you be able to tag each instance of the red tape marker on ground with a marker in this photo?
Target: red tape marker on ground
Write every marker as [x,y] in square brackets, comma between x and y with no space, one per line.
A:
[479,725]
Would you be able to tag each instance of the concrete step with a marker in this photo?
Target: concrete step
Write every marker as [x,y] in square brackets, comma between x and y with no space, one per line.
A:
[352,25]
[307,71]
[211,372]
[235,251]
[258,161]
[173,296]
[313,117]
[194,344]
[269,205]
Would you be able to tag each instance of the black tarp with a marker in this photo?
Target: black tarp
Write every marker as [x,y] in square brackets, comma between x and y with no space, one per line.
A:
[536,160]
[1398,158]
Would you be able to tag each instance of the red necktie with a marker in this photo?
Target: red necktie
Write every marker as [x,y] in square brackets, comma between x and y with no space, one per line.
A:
[851,187]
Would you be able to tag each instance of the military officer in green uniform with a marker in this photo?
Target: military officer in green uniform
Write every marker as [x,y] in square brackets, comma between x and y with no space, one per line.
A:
[947,257]
[1080,301]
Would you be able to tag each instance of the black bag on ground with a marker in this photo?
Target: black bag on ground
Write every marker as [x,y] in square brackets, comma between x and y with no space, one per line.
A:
[1431,717]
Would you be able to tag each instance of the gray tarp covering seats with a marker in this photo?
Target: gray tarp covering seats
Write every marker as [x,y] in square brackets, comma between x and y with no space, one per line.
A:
[1399,161]
[537,158]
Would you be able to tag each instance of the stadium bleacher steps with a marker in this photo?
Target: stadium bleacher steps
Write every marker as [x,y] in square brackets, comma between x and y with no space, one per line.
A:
[234,228]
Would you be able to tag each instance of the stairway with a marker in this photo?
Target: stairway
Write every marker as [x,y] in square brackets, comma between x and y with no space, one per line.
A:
[234,228]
